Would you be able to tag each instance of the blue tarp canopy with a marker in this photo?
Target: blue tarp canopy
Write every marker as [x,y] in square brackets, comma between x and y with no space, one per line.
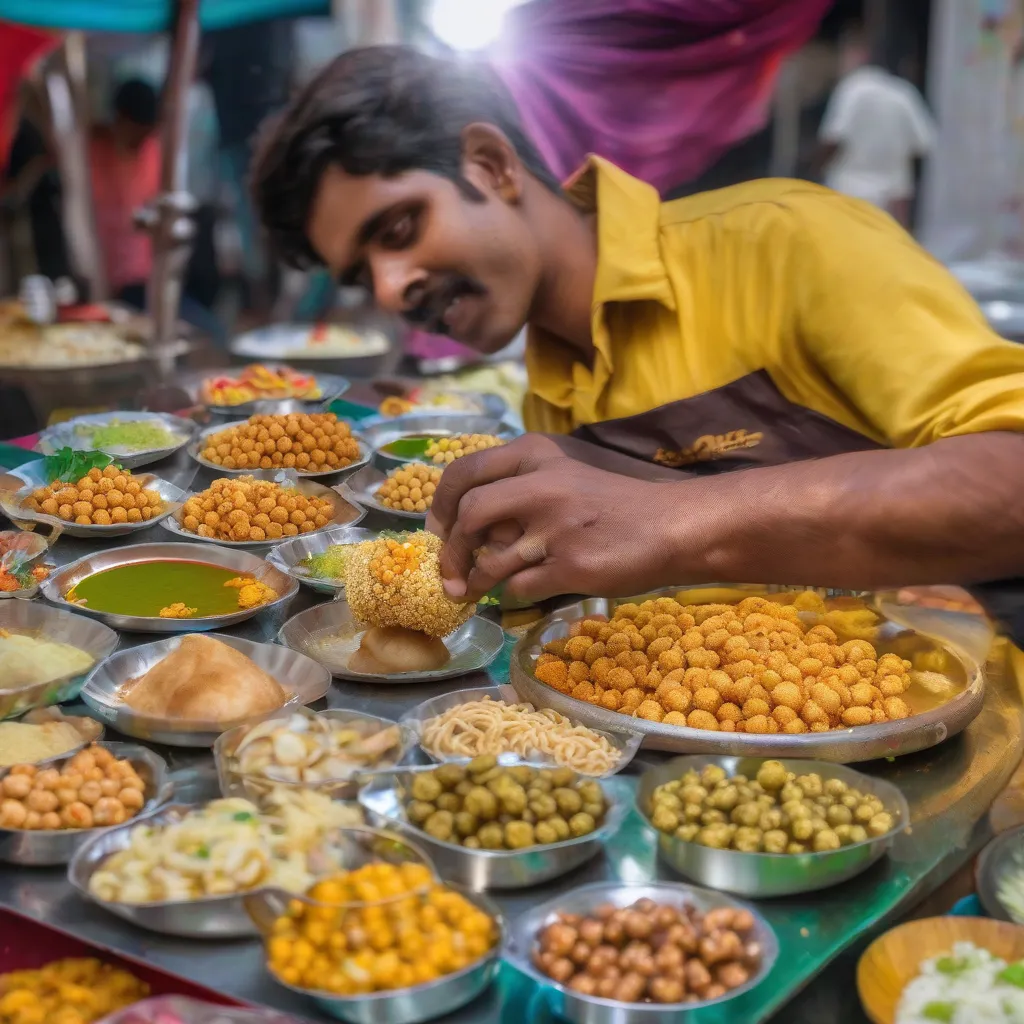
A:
[143,16]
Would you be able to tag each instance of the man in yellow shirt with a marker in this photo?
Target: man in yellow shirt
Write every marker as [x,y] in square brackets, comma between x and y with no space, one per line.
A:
[774,327]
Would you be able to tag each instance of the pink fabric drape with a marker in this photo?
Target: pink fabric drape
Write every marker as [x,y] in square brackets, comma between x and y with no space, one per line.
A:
[660,87]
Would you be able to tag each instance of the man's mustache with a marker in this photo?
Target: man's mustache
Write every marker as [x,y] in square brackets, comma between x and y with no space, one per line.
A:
[429,311]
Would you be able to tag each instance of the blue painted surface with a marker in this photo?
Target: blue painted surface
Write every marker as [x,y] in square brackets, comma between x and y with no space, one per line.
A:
[149,15]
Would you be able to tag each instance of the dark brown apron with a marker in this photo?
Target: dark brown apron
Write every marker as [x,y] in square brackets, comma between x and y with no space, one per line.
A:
[743,425]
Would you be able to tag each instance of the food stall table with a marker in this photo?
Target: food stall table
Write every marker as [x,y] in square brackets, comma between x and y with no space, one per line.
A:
[949,789]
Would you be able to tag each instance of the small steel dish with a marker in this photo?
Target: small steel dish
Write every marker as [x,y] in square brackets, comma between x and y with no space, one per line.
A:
[382,798]
[30,547]
[344,513]
[46,849]
[331,388]
[1002,856]
[861,743]
[66,435]
[329,634]
[45,622]
[300,676]
[581,1009]
[289,555]
[627,743]
[764,875]
[13,505]
[361,489]
[218,917]
[198,444]
[253,786]
[433,1001]
[56,586]
[434,424]
[87,728]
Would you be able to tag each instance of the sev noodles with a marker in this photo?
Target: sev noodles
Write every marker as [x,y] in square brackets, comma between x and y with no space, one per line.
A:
[482,727]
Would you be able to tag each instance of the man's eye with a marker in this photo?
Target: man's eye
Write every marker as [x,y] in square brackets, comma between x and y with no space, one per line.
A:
[399,233]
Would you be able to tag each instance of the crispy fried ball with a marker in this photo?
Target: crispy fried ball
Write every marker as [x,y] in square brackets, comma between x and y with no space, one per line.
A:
[89,502]
[410,488]
[268,442]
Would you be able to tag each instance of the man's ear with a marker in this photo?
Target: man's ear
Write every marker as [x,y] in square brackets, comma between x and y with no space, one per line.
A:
[491,163]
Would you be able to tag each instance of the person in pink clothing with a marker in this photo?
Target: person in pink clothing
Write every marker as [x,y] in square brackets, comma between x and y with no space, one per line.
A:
[124,165]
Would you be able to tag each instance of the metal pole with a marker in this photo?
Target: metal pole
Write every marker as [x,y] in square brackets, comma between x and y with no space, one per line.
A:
[170,218]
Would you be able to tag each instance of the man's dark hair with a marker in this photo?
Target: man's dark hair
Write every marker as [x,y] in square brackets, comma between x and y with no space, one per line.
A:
[137,101]
[377,110]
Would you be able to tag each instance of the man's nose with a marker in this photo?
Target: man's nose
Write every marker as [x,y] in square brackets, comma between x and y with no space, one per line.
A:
[397,285]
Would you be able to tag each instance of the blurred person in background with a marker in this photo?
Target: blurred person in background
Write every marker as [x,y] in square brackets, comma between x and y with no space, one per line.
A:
[124,167]
[876,125]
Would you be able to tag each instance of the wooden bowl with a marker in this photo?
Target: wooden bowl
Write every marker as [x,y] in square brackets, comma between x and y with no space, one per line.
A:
[892,961]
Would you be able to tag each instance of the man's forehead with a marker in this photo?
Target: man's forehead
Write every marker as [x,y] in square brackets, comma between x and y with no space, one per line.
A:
[346,204]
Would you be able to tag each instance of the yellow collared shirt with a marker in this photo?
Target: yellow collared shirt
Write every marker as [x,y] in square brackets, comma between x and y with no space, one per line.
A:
[845,312]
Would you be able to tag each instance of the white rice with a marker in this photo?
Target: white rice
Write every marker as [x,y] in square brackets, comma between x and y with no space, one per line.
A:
[961,988]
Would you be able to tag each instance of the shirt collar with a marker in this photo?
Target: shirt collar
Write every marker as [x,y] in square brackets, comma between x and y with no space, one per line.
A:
[629,269]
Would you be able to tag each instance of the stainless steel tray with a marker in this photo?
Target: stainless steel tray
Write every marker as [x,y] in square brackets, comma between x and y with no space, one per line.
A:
[436,424]
[288,343]
[764,875]
[242,562]
[65,435]
[32,473]
[432,1001]
[480,870]
[287,555]
[627,743]
[63,627]
[862,743]
[581,1009]
[300,676]
[198,443]
[1003,854]
[253,787]
[39,848]
[331,387]
[31,548]
[329,634]
[345,513]
[361,489]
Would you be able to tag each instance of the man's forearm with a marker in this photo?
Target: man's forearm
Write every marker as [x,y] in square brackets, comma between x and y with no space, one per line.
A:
[952,512]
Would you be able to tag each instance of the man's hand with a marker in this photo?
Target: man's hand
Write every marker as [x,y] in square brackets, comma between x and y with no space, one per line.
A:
[526,514]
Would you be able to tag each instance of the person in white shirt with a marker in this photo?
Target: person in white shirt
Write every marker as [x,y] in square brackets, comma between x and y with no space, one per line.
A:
[875,126]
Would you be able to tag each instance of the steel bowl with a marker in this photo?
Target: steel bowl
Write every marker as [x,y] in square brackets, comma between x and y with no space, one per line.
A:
[46,849]
[31,547]
[344,512]
[198,444]
[63,627]
[383,799]
[66,435]
[627,743]
[434,424]
[861,743]
[329,634]
[212,917]
[300,676]
[32,473]
[432,1001]
[41,716]
[764,875]
[56,586]
[253,786]
[331,387]
[361,489]
[580,1009]
[289,555]
[289,343]
[1003,856]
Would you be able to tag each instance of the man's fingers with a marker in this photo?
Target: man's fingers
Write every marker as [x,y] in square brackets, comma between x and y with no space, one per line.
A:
[495,563]
[477,470]
[536,583]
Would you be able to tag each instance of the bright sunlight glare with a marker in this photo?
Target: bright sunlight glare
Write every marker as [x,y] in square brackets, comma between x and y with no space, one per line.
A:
[469,24]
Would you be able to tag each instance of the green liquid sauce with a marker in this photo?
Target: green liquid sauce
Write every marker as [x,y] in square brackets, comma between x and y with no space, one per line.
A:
[409,446]
[143,588]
